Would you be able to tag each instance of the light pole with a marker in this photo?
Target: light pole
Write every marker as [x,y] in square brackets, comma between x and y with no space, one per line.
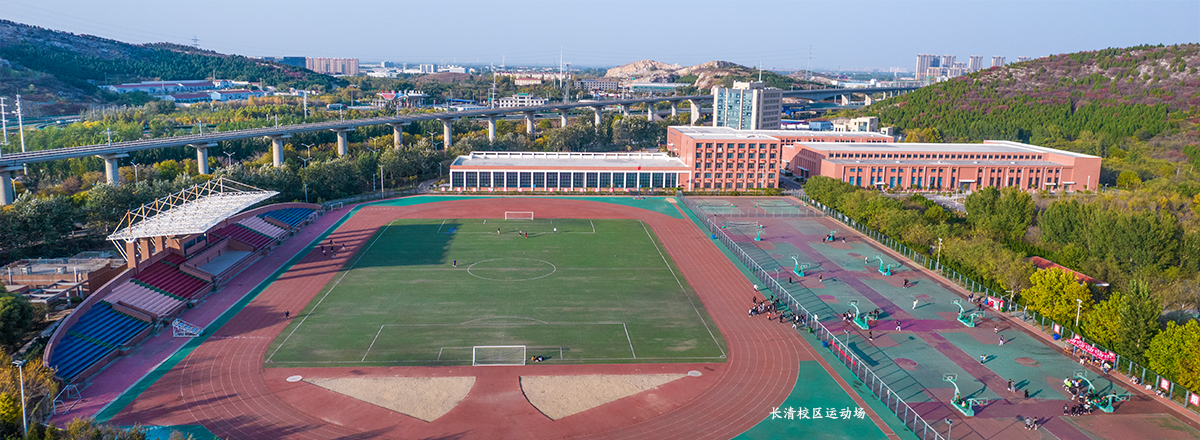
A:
[21,371]
[939,256]
[1078,308]
[135,174]
[381,181]
[949,428]
[228,158]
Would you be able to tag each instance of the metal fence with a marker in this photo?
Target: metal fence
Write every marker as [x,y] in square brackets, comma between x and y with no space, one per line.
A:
[840,349]
[380,195]
[1145,376]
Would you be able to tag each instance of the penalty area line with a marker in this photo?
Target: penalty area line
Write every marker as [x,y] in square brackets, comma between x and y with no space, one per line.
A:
[364,359]
[685,294]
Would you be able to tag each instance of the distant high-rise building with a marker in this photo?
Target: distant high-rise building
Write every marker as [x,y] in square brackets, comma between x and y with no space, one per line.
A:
[948,60]
[291,61]
[748,106]
[1022,59]
[976,63]
[333,66]
[997,61]
[924,63]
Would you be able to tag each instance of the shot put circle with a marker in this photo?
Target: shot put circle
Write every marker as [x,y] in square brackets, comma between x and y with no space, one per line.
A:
[519,266]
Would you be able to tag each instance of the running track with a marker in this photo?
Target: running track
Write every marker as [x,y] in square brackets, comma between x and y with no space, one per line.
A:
[223,386]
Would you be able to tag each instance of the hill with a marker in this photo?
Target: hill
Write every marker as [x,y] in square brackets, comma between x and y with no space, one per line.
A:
[703,76]
[1139,101]
[58,72]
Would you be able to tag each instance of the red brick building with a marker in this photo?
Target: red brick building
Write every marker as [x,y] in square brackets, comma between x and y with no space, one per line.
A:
[726,158]
[967,166]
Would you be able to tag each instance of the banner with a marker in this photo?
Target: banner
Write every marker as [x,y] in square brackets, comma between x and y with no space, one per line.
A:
[995,303]
[1057,328]
[1092,350]
[1195,399]
[1164,384]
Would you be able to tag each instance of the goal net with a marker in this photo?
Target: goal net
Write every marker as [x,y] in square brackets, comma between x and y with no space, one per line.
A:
[518,215]
[498,355]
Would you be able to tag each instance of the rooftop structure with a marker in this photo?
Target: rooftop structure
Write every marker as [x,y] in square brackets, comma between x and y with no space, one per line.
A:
[190,211]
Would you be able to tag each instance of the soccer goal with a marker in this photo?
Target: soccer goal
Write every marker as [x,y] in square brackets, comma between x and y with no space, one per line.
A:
[498,355]
[518,215]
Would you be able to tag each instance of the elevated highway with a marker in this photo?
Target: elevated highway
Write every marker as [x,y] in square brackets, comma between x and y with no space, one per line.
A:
[112,152]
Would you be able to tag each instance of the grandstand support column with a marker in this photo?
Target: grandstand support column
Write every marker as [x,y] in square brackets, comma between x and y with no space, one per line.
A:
[491,128]
[562,118]
[202,156]
[447,133]
[144,246]
[341,133]
[131,256]
[695,111]
[7,196]
[398,133]
[112,168]
[160,243]
[529,123]
[599,109]
[277,149]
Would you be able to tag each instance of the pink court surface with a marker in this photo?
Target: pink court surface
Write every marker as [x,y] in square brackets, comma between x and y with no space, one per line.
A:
[222,385]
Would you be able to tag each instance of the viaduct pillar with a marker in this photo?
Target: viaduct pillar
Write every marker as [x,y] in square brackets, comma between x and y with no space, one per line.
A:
[112,168]
[277,149]
[202,156]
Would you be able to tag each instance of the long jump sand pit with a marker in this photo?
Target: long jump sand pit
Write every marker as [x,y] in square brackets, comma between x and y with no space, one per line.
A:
[425,398]
[561,396]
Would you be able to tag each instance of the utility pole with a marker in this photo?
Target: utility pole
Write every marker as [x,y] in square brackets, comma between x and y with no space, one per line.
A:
[567,84]
[808,71]
[4,124]
[305,93]
[20,123]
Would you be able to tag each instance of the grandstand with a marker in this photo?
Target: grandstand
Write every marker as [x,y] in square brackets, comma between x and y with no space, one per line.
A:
[177,250]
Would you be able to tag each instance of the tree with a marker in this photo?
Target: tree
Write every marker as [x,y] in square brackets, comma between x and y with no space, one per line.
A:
[16,318]
[1054,293]
[1062,222]
[1138,317]
[1103,323]
[1128,179]
[1173,353]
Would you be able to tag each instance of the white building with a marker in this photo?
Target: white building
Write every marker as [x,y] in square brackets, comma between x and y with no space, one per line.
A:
[868,124]
[520,100]
[598,85]
[164,87]
[748,106]
[233,95]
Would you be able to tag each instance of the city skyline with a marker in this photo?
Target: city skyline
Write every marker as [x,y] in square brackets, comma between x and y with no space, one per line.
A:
[534,32]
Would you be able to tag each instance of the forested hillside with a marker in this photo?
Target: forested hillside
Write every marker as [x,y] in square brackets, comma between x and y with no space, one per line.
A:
[1137,106]
[51,68]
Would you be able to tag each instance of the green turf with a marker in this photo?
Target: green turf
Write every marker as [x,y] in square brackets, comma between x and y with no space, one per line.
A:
[594,291]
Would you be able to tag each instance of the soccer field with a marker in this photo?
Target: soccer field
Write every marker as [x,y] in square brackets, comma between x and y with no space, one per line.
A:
[574,291]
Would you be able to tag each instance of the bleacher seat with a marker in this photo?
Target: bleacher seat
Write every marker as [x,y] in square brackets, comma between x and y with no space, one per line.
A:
[96,334]
[163,276]
[289,216]
[245,235]
[157,303]
[261,226]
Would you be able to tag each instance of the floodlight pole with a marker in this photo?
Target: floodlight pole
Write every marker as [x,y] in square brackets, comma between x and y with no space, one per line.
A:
[21,371]
[1078,308]
[939,256]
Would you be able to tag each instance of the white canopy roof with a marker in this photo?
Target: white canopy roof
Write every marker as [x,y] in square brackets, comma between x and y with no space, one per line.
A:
[191,211]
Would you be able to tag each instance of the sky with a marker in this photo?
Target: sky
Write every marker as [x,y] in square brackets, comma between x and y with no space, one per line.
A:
[777,34]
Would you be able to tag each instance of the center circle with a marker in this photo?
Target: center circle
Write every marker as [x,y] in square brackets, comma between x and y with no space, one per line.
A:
[511,269]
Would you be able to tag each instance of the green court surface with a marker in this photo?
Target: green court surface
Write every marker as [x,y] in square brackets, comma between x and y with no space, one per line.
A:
[815,389]
[574,291]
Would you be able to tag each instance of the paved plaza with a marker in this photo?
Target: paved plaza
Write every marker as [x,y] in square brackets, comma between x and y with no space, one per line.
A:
[931,342]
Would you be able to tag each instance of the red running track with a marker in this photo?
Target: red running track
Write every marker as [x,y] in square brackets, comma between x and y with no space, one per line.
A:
[223,385]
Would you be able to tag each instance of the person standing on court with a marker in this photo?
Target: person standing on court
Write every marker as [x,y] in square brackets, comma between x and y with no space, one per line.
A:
[915,301]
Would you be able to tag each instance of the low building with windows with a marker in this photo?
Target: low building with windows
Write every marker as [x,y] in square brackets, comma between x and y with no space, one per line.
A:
[520,100]
[574,172]
[955,166]
[727,158]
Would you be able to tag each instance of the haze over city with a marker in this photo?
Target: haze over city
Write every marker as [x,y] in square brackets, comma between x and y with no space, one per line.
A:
[843,34]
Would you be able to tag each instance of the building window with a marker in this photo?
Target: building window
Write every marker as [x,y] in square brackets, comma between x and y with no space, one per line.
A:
[552,180]
[539,180]
[605,180]
[698,155]
[728,175]
[593,180]
[707,185]
[526,179]
[708,155]
[578,181]
[511,180]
